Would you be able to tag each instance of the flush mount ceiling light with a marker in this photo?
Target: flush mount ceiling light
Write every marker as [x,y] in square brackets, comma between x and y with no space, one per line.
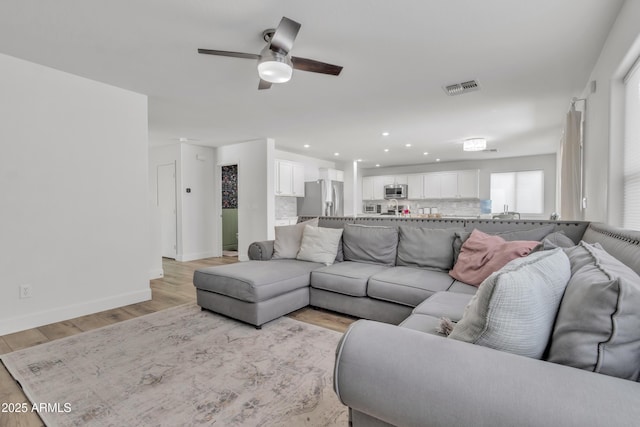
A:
[474,144]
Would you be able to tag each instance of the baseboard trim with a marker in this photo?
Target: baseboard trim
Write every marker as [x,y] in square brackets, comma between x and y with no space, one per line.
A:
[156,273]
[34,320]
[194,256]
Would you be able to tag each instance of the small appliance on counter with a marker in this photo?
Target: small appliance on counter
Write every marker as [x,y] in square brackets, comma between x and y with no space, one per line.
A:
[372,208]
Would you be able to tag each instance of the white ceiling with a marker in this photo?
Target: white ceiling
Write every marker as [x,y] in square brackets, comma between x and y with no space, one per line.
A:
[530,58]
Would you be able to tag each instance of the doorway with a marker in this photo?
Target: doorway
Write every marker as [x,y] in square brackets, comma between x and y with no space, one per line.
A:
[229,180]
[166,200]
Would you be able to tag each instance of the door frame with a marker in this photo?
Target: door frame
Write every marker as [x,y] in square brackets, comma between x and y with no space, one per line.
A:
[175,207]
[218,204]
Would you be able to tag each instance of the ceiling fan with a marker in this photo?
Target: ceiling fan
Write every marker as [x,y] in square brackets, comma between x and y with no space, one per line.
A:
[275,64]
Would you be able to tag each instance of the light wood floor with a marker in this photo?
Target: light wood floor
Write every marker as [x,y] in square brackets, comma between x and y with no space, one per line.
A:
[175,288]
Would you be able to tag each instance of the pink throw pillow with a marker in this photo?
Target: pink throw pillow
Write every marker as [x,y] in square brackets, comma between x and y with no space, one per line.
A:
[483,254]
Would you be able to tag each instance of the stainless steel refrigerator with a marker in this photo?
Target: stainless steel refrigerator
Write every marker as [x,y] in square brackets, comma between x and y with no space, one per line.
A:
[322,198]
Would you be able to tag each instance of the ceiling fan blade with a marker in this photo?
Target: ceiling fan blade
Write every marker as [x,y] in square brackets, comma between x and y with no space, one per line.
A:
[229,53]
[313,66]
[264,85]
[285,34]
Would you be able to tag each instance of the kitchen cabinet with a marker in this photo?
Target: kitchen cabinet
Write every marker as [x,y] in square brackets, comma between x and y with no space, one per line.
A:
[468,184]
[289,178]
[332,174]
[450,185]
[373,187]
[415,186]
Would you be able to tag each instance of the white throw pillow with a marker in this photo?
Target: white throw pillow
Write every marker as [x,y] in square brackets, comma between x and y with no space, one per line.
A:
[319,244]
[288,238]
[515,307]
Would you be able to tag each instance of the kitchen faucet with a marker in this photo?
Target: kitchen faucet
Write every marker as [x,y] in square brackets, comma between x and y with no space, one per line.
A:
[394,200]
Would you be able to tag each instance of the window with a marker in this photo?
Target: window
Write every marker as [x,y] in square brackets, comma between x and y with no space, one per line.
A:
[518,192]
[631,168]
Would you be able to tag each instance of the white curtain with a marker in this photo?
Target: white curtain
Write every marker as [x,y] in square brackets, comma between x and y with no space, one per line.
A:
[570,167]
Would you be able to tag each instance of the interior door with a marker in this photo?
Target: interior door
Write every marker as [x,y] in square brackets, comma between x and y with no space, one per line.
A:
[166,199]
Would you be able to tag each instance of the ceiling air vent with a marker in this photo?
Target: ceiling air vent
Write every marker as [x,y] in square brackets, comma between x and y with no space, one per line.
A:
[460,88]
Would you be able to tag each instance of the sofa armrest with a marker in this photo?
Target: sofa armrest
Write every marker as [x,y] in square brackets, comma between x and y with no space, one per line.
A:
[261,251]
[410,378]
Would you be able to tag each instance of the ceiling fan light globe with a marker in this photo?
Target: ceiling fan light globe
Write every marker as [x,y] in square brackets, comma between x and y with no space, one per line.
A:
[275,68]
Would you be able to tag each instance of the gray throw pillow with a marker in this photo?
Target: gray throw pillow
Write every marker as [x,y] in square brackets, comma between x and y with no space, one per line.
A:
[426,247]
[288,239]
[515,307]
[319,244]
[598,324]
[532,234]
[370,244]
[557,240]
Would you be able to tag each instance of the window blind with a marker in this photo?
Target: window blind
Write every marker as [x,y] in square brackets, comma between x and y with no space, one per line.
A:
[631,167]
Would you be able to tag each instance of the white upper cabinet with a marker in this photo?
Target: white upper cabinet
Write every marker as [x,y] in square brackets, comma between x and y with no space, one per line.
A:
[468,184]
[415,186]
[289,178]
[332,174]
[449,185]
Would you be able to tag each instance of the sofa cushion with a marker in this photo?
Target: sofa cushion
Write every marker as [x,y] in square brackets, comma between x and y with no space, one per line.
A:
[598,324]
[348,278]
[319,244]
[426,247]
[462,288]
[483,254]
[288,239]
[370,244]
[255,281]
[444,304]
[422,323]
[406,285]
[514,309]
[537,234]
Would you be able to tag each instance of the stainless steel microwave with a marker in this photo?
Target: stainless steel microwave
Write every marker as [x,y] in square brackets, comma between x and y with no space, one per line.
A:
[395,191]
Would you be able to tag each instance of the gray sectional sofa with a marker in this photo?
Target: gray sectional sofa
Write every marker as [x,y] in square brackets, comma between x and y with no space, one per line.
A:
[367,285]
[394,368]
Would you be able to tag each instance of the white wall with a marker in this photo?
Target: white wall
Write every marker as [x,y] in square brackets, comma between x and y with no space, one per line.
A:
[546,162]
[73,196]
[603,153]
[196,236]
[256,199]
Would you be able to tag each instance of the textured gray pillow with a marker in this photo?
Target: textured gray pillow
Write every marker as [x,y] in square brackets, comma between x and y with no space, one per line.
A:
[532,234]
[370,244]
[426,247]
[288,239]
[319,244]
[598,324]
[557,240]
[514,308]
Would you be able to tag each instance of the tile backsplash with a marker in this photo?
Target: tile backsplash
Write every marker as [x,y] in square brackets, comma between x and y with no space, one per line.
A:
[286,207]
[458,207]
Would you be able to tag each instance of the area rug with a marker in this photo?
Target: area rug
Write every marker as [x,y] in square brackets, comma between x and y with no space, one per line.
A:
[182,367]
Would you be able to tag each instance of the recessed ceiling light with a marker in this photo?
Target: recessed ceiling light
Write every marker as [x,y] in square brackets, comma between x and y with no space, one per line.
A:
[426,153]
[359,160]
[407,145]
[386,150]
[336,154]
[437,160]
[306,146]
[385,133]
[377,165]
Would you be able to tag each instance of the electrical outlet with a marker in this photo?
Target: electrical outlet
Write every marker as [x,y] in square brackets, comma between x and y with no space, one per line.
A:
[26,291]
